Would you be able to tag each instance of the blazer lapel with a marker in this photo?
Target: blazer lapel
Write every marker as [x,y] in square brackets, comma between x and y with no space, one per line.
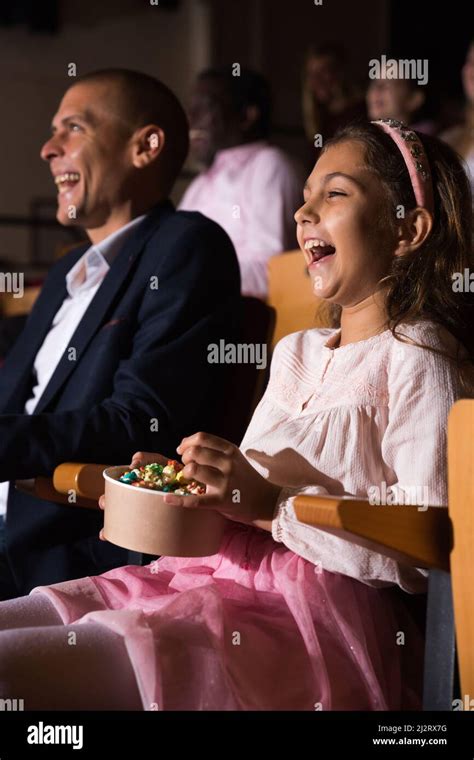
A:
[15,376]
[110,287]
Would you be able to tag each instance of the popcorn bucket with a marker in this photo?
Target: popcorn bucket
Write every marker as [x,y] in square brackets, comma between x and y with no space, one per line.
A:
[139,519]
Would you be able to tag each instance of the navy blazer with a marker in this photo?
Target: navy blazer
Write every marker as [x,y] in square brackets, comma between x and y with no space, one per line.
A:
[138,379]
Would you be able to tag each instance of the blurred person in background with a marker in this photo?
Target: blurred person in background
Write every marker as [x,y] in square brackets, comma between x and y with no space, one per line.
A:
[248,186]
[330,99]
[401,99]
[461,137]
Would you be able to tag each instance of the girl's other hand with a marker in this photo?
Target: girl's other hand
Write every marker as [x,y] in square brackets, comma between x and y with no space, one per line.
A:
[140,458]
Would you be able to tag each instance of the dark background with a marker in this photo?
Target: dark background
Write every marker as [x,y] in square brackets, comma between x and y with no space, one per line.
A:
[174,40]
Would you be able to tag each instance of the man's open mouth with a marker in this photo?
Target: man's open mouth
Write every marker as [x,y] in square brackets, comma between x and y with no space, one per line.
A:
[66,181]
[318,249]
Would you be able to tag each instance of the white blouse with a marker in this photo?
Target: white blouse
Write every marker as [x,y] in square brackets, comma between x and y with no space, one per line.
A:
[366,420]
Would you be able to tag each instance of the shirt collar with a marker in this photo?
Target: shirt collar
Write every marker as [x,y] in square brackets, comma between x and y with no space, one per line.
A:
[94,264]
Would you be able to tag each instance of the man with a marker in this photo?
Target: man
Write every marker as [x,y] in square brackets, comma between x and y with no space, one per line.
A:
[249,187]
[113,357]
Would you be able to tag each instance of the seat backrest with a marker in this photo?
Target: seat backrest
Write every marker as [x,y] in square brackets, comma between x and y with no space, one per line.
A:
[291,295]
[461,512]
[245,380]
[12,307]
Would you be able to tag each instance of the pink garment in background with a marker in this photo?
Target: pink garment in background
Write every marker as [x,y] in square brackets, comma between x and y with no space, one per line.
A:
[252,191]
[297,620]
[426,127]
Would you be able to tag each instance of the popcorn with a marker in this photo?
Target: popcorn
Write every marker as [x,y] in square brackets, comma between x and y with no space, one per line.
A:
[168,478]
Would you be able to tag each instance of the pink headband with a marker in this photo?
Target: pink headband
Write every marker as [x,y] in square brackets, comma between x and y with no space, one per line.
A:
[414,155]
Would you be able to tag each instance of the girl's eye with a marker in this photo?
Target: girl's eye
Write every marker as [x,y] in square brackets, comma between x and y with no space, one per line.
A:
[332,193]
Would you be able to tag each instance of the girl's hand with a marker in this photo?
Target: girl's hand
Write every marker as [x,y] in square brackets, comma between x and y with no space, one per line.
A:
[139,459]
[233,486]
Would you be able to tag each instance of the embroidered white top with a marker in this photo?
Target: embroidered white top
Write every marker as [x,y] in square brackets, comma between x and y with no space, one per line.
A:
[366,419]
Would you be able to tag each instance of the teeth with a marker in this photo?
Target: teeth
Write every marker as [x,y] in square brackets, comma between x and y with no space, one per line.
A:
[315,243]
[67,177]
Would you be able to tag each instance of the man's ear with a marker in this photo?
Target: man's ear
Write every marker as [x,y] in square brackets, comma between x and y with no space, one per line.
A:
[147,144]
[413,230]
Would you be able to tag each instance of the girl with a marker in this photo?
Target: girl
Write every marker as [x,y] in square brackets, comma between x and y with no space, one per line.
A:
[286,616]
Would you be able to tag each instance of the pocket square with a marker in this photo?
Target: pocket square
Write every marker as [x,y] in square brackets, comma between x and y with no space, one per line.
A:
[113,322]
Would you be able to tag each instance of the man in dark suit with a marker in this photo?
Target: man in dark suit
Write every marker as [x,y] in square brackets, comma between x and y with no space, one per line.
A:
[113,357]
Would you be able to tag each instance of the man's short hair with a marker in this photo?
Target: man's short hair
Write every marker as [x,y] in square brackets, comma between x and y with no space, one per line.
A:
[141,99]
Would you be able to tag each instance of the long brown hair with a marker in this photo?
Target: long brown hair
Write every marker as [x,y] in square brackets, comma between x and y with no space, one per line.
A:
[420,283]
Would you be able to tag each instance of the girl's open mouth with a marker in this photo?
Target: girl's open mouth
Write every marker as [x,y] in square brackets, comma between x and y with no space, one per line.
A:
[318,250]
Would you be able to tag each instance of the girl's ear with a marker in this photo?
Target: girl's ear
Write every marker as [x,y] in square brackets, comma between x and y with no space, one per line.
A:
[413,230]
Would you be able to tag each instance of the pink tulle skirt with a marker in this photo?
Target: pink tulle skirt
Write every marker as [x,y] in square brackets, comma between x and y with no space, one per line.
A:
[254,627]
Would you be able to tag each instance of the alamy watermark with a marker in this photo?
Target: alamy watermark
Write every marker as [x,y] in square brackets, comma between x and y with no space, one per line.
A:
[463,282]
[466,704]
[399,68]
[12,282]
[12,705]
[237,353]
[42,733]
[399,496]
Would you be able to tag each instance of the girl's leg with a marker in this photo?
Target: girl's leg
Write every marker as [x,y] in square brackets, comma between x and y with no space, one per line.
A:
[51,666]
[28,611]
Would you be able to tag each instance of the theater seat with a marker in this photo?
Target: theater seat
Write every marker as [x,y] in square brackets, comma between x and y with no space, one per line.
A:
[13,307]
[291,294]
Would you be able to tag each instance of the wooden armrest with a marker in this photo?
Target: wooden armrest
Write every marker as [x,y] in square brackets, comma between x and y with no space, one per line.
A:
[43,488]
[409,534]
[73,483]
[461,492]
[85,479]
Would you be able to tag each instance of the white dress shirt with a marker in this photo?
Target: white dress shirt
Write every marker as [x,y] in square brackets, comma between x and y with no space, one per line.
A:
[82,283]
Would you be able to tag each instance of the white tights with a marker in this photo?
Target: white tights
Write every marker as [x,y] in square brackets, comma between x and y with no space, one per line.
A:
[41,664]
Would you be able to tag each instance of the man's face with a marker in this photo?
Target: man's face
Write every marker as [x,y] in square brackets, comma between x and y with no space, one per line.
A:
[89,156]
[213,122]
